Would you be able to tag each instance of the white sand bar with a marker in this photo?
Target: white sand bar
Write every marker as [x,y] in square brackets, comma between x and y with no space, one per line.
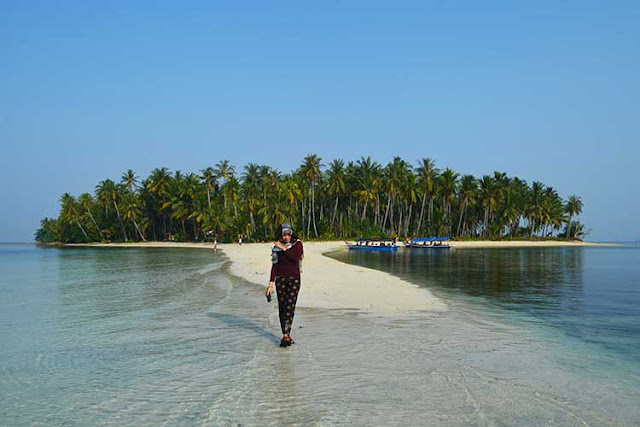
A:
[331,284]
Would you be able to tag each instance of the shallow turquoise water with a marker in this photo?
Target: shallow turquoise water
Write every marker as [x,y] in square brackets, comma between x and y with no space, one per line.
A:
[152,337]
[589,293]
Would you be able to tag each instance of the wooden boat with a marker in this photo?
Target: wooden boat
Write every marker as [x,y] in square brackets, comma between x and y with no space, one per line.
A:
[382,245]
[428,243]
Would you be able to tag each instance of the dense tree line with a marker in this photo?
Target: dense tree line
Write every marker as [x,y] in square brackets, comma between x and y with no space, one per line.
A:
[338,200]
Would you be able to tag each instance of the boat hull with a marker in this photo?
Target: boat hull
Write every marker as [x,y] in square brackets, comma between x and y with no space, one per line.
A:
[428,247]
[373,248]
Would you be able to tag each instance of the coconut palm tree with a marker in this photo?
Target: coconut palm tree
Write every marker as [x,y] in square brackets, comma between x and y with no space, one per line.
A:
[448,183]
[108,193]
[534,205]
[130,181]
[311,170]
[466,195]
[131,212]
[158,185]
[427,173]
[86,201]
[69,212]
[225,171]
[208,177]
[488,197]
[351,198]
[573,207]
[335,186]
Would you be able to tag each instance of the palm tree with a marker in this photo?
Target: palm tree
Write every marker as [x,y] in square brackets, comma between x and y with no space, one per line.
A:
[510,212]
[208,177]
[350,198]
[292,193]
[427,174]
[395,174]
[129,180]
[158,186]
[48,231]
[466,195]
[409,192]
[107,193]
[225,171]
[534,205]
[335,186]
[573,207]
[131,212]
[69,212]
[86,201]
[488,198]
[311,170]
[448,182]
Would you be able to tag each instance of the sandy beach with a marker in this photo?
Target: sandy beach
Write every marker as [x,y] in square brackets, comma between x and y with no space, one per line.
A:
[330,284]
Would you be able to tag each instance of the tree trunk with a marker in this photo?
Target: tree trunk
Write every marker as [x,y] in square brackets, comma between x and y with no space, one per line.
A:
[139,232]
[124,232]
[313,208]
[486,221]
[533,225]
[302,210]
[391,216]
[335,211]
[310,215]
[462,209]
[424,200]
[82,228]
[386,214]
[95,223]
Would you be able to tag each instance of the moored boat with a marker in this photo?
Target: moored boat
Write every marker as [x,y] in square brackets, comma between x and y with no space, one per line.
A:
[428,243]
[384,245]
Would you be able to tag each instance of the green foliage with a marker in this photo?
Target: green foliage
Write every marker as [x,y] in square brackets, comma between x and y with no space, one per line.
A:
[345,200]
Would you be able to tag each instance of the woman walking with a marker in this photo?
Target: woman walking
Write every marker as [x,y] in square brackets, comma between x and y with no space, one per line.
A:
[286,256]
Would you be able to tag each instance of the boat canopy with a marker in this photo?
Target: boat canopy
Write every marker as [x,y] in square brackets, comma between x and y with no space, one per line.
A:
[386,239]
[429,239]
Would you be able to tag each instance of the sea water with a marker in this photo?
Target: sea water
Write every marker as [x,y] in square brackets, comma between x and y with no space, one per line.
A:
[168,336]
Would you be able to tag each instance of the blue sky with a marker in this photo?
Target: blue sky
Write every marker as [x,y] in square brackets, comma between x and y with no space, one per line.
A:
[545,91]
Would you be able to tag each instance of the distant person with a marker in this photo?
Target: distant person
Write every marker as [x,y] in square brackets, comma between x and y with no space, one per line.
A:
[286,256]
[240,241]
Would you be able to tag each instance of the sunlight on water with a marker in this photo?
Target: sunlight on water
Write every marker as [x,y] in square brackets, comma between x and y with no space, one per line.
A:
[146,337]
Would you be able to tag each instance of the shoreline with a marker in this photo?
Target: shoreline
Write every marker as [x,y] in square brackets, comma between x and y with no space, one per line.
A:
[331,284]
[339,243]
[326,283]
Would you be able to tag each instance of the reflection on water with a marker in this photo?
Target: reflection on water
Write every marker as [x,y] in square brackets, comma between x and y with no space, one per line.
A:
[587,292]
[152,337]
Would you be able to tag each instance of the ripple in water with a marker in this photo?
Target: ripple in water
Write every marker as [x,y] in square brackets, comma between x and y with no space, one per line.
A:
[147,337]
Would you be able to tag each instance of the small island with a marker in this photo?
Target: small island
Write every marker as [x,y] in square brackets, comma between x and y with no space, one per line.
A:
[324,202]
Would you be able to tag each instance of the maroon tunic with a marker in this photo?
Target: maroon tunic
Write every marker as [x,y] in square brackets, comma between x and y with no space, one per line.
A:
[288,264]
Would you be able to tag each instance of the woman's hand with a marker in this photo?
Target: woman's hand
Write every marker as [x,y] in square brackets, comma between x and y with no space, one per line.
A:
[270,288]
[280,245]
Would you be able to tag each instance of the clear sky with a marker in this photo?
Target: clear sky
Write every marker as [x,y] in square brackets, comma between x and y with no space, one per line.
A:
[547,91]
